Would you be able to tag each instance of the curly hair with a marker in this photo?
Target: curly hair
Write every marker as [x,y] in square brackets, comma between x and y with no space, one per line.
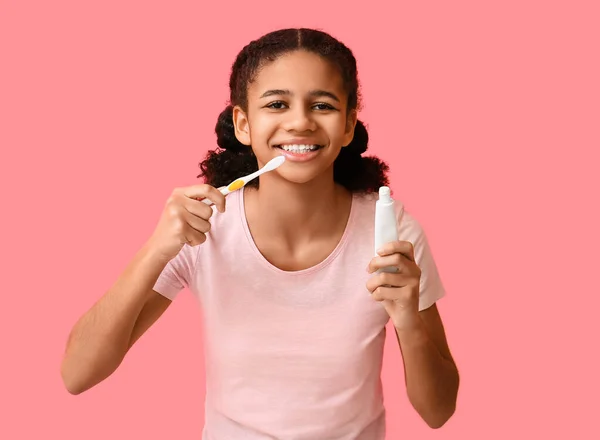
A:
[232,159]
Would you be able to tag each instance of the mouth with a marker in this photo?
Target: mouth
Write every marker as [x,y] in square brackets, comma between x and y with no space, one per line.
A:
[299,152]
[299,149]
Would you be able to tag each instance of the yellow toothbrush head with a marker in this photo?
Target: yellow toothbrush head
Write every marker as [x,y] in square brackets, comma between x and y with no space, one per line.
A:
[239,183]
[236,184]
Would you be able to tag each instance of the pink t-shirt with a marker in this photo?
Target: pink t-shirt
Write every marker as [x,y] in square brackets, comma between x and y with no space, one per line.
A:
[292,355]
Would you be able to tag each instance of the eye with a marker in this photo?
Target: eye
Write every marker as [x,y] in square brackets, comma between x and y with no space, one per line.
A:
[323,106]
[276,105]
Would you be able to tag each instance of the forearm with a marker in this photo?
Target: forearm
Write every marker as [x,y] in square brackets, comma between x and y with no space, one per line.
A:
[100,339]
[431,380]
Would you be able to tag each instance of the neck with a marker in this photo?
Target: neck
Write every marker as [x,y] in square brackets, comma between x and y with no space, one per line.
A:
[294,212]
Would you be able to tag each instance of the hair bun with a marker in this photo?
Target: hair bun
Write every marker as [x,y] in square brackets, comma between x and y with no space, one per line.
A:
[226,132]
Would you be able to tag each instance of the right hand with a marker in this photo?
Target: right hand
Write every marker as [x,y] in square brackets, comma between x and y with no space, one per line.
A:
[184,219]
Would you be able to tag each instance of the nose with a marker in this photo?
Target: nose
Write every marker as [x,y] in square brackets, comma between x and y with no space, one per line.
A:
[299,120]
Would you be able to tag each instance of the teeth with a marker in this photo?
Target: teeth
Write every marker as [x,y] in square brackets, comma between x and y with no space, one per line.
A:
[299,148]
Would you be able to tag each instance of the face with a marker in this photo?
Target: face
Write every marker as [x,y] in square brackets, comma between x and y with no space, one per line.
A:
[297,107]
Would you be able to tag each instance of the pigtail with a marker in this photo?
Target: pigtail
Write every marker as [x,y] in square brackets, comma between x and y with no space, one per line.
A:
[232,159]
[225,131]
[358,173]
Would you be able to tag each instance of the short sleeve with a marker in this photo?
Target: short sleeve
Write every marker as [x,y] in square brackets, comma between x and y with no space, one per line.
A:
[431,286]
[178,273]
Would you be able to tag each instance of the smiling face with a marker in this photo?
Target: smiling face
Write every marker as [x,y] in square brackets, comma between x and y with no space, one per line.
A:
[297,107]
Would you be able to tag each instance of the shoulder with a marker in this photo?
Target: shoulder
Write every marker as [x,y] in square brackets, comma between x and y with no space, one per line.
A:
[229,220]
[364,208]
[409,227]
[225,231]
[408,224]
[226,228]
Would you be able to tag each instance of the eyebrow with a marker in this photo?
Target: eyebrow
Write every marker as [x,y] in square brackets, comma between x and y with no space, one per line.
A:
[313,93]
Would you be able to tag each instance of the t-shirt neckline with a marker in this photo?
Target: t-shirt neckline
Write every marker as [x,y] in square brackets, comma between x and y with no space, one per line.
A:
[330,258]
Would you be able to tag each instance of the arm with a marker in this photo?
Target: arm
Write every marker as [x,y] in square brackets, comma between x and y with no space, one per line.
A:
[432,378]
[100,339]
[431,375]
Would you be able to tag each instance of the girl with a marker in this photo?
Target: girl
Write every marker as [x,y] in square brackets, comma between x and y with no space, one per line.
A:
[294,309]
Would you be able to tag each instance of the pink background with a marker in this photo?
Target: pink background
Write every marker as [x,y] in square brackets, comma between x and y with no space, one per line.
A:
[488,113]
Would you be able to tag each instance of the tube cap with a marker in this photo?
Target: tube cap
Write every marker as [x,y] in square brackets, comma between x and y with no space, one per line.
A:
[385,194]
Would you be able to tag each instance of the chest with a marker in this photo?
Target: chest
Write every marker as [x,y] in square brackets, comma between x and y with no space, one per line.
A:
[298,257]
[325,329]
[256,315]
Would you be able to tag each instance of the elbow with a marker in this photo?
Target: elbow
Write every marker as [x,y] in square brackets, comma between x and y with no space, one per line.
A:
[438,411]
[73,384]
[441,409]
[436,415]
[78,379]
[72,387]
[437,419]
[74,390]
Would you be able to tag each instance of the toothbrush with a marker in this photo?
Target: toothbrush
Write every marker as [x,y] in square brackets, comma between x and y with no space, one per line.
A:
[242,181]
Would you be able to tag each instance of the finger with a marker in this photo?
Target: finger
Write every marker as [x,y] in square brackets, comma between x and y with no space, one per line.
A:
[193,237]
[206,191]
[405,248]
[210,202]
[387,279]
[197,223]
[397,260]
[196,208]
[390,294]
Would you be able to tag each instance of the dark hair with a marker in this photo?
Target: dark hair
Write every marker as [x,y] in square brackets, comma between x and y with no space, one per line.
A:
[233,159]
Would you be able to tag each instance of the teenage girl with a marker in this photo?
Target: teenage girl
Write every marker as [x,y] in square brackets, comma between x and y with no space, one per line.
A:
[294,308]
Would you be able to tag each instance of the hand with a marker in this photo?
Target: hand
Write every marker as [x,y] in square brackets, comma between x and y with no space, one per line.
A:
[398,291]
[184,219]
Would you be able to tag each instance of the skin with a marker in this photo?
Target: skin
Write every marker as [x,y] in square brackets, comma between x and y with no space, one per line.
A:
[307,214]
[103,335]
[307,211]
[431,375]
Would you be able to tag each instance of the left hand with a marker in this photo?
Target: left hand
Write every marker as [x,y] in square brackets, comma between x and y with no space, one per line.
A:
[398,291]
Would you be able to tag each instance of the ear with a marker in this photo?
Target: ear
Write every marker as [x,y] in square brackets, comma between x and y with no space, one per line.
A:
[241,126]
[350,125]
